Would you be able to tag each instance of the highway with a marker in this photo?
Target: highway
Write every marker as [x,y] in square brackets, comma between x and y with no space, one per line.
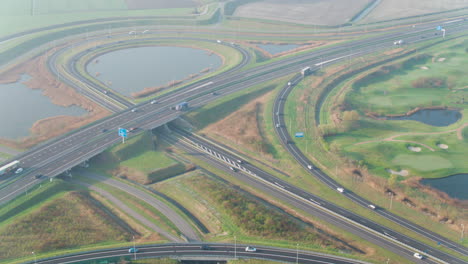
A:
[212,251]
[313,204]
[288,143]
[56,156]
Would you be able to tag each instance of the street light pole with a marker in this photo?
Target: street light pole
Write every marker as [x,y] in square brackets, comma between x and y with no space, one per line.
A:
[297,253]
[134,248]
[235,247]
[463,230]
[35,259]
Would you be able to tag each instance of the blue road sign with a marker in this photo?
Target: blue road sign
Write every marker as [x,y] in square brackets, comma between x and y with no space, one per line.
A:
[439,28]
[123,132]
[299,134]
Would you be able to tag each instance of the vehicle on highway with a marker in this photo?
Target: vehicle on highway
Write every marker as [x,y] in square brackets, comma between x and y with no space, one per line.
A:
[371,206]
[9,167]
[182,106]
[310,167]
[417,255]
[250,249]
[341,190]
[153,102]
[289,83]
[38,176]
[213,93]
[133,250]
[218,41]
[19,170]
[398,42]
[132,129]
[239,161]
[105,92]
[277,125]
[205,247]
[104,130]
[232,168]
[134,110]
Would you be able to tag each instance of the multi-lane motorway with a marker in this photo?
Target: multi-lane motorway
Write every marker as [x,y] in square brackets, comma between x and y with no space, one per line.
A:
[56,156]
[313,204]
[209,251]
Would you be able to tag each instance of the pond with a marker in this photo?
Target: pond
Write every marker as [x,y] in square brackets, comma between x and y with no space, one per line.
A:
[21,107]
[433,117]
[131,70]
[275,48]
[455,186]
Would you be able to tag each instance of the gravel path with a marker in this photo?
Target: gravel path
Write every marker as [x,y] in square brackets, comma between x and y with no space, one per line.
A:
[187,230]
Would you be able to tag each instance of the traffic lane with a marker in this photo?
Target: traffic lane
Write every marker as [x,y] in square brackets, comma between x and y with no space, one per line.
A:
[300,157]
[175,218]
[307,207]
[318,201]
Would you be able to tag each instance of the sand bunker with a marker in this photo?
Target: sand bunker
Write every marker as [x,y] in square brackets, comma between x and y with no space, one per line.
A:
[442,146]
[401,173]
[440,59]
[424,68]
[415,149]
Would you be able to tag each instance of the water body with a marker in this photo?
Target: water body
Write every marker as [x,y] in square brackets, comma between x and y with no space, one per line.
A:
[21,107]
[455,186]
[131,70]
[275,49]
[433,117]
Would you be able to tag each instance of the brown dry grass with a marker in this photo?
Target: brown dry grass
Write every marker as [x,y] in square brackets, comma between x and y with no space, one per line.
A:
[60,94]
[70,221]
[243,126]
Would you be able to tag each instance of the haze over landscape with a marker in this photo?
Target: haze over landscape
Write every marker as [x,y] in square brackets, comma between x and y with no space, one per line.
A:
[233,131]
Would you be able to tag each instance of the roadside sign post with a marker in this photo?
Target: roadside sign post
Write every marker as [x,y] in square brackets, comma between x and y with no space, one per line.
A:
[123,134]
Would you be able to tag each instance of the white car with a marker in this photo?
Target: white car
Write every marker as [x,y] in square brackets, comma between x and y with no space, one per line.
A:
[134,110]
[310,167]
[153,102]
[417,255]
[19,170]
[371,206]
[218,41]
[341,190]
[250,249]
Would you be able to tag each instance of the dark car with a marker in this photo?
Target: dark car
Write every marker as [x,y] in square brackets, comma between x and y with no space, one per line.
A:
[205,247]
[38,176]
[104,130]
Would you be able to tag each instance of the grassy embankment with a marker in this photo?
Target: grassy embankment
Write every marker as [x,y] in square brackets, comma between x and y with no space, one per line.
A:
[326,154]
[230,58]
[57,217]
[228,211]
[221,109]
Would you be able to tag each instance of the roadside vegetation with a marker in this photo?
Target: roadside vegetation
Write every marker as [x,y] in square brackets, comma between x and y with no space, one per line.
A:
[141,159]
[344,122]
[54,217]
[227,210]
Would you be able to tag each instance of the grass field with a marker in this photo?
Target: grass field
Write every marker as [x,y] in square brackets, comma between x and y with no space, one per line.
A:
[54,217]
[20,15]
[332,12]
[391,9]
[433,79]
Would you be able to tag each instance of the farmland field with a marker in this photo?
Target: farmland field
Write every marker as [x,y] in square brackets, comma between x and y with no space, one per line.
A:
[154,4]
[391,9]
[332,12]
